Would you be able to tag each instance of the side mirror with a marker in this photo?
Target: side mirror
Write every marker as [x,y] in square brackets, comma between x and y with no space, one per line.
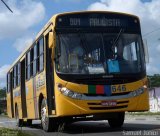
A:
[50,40]
[146,50]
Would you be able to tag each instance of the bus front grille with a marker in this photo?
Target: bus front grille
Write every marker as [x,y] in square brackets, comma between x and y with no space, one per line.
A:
[99,106]
[108,108]
[120,102]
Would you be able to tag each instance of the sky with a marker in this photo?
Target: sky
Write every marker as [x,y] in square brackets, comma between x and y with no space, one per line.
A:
[18,29]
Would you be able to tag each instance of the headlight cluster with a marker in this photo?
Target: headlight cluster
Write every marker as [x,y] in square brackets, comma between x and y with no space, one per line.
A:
[137,92]
[74,95]
[69,93]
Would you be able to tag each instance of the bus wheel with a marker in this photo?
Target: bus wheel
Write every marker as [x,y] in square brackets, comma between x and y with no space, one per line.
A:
[46,122]
[29,122]
[118,121]
[19,122]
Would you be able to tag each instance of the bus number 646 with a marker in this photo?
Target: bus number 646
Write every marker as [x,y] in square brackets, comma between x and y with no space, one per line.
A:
[118,88]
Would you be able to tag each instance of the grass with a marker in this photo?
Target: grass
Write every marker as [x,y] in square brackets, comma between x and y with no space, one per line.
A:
[12,132]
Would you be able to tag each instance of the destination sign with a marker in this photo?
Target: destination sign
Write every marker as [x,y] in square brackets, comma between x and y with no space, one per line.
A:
[104,22]
[94,20]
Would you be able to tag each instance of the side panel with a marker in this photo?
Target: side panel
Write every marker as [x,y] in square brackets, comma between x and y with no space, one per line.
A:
[9,105]
[30,99]
[36,81]
[17,100]
[40,86]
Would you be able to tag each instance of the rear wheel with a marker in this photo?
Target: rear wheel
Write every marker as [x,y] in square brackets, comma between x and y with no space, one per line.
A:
[19,122]
[29,122]
[48,124]
[61,126]
[118,121]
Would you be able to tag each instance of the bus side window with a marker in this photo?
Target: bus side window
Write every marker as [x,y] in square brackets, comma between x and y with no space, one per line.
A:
[31,62]
[35,60]
[18,76]
[41,55]
[8,82]
[28,66]
[14,76]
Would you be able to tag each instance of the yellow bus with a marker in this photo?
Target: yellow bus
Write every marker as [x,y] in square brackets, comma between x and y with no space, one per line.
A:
[87,65]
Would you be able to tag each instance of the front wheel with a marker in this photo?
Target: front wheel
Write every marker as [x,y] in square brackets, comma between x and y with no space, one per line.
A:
[118,121]
[47,123]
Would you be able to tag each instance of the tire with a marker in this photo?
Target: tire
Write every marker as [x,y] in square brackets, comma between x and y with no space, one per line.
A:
[19,122]
[29,122]
[46,122]
[118,121]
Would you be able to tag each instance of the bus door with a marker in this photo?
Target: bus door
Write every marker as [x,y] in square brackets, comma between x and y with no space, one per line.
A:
[23,90]
[49,77]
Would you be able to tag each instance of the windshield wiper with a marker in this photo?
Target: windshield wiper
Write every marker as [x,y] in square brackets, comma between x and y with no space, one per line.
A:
[117,38]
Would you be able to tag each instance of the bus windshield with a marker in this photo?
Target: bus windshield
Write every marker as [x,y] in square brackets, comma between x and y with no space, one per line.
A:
[100,53]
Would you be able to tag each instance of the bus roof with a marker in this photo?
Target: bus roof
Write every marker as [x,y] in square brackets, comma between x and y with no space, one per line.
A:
[52,20]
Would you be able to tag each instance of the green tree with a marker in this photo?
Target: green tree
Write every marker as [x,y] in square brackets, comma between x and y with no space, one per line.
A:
[154,81]
[3,93]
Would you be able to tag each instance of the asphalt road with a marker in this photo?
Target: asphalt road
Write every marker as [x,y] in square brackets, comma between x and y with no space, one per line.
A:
[133,125]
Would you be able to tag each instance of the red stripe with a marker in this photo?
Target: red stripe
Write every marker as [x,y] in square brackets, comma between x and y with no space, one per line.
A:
[99,89]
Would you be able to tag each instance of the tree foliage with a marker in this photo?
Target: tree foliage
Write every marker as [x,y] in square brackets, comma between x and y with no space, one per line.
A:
[154,81]
[3,93]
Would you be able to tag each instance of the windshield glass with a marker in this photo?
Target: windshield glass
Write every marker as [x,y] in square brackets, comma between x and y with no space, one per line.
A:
[100,53]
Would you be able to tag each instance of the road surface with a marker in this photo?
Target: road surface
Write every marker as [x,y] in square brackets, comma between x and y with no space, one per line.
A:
[133,125]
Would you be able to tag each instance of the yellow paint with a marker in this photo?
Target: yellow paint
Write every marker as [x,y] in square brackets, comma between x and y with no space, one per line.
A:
[66,106]
[40,87]
[9,105]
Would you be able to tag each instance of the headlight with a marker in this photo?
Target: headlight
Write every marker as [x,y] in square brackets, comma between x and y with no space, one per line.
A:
[137,92]
[69,93]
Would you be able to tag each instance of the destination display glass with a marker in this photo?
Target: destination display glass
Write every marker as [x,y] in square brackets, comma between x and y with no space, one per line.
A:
[97,20]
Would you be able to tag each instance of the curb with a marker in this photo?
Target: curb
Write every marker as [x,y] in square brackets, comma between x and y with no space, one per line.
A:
[147,119]
[142,117]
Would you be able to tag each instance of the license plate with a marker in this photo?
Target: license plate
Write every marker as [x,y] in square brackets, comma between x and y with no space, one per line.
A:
[109,103]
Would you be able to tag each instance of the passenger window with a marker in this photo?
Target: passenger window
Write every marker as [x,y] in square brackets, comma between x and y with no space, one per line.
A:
[35,60]
[28,66]
[41,55]
[14,76]
[8,82]
[31,63]
[18,74]
[41,47]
